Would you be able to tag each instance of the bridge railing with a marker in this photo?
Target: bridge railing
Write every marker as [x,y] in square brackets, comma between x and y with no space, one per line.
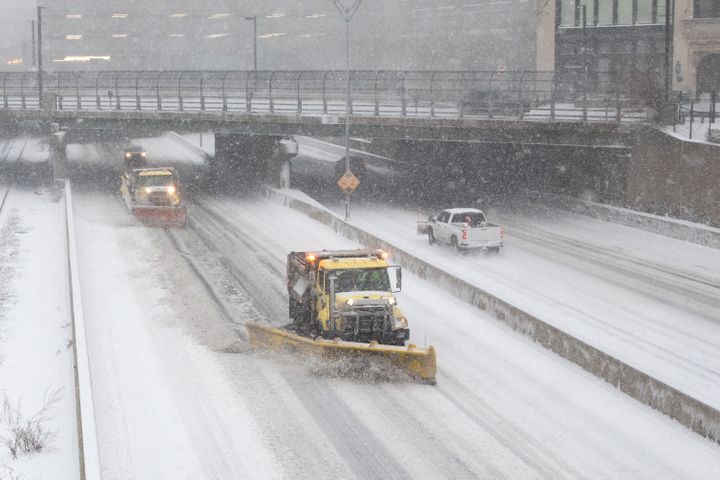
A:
[529,95]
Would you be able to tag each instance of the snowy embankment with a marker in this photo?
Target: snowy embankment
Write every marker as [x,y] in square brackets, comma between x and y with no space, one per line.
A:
[533,315]
[36,356]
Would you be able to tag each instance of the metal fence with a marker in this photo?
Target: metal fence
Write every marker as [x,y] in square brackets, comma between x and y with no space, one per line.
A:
[525,95]
[698,117]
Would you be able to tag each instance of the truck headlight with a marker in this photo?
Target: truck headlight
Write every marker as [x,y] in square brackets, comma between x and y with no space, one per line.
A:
[392,300]
[350,302]
[170,190]
[148,190]
[400,322]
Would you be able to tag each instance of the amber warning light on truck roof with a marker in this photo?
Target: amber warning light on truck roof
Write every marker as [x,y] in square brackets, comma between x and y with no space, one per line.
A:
[310,257]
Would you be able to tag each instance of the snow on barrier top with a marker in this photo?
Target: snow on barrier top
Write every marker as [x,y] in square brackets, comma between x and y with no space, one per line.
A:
[695,415]
[87,430]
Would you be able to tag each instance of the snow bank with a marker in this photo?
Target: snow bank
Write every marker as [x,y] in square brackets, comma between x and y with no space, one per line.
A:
[690,412]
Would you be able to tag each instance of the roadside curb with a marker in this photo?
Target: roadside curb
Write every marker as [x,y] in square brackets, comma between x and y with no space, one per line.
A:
[697,416]
[87,430]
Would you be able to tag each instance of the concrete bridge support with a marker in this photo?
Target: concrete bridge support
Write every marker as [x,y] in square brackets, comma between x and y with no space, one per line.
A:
[252,160]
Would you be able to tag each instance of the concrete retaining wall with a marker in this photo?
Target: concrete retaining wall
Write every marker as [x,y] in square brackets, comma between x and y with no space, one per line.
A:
[670,176]
[697,416]
[87,431]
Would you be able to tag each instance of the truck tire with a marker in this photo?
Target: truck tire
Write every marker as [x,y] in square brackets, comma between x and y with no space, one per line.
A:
[431,237]
[455,244]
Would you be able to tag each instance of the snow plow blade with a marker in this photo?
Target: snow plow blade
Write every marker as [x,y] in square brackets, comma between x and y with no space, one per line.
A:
[161,216]
[418,363]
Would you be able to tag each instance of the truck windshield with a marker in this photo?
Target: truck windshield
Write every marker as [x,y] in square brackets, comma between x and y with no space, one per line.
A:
[155,180]
[361,280]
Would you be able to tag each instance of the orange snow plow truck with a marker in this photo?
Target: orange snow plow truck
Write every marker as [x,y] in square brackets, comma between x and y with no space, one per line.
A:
[154,196]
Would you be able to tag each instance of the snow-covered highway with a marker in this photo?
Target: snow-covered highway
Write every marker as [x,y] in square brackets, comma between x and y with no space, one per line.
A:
[169,370]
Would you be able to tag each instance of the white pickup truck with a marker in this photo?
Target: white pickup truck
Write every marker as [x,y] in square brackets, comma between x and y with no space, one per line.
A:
[463,229]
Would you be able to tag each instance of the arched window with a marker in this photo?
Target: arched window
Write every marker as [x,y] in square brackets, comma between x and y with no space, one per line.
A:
[706,9]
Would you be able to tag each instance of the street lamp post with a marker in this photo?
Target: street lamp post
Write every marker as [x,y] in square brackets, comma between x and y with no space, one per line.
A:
[39,55]
[32,40]
[254,20]
[669,22]
[347,13]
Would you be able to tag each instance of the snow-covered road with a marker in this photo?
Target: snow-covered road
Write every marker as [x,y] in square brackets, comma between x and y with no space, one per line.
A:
[648,300]
[178,397]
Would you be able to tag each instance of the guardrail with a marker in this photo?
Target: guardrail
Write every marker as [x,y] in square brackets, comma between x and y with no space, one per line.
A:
[523,95]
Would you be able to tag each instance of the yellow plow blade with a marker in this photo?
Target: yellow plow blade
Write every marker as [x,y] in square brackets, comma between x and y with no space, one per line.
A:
[419,363]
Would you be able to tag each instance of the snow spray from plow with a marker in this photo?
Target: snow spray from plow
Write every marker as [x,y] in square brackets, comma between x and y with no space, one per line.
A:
[419,363]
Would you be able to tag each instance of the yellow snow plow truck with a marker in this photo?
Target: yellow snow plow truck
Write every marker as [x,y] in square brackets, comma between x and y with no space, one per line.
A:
[342,306]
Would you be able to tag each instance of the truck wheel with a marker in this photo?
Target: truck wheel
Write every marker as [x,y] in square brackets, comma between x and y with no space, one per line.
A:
[455,244]
[431,237]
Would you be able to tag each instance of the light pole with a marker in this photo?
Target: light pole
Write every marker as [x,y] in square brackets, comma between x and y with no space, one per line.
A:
[669,23]
[39,55]
[32,39]
[347,13]
[254,20]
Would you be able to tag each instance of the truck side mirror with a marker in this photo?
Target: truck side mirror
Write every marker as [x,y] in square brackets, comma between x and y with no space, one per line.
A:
[398,278]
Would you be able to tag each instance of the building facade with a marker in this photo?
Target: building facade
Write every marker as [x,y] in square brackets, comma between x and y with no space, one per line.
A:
[696,52]
[307,34]
[629,43]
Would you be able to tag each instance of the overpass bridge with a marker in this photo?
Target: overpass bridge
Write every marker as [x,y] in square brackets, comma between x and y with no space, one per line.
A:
[529,108]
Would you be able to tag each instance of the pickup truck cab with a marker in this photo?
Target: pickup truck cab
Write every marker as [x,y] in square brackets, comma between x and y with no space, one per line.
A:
[465,229]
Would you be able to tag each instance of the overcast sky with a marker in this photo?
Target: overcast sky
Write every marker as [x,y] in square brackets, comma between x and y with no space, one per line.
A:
[15,27]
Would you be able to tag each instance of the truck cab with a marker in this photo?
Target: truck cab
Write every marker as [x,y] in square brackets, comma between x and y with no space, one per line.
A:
[347,294]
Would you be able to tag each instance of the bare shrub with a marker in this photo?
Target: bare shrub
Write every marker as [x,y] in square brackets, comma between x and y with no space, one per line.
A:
[28,435]
[7,473]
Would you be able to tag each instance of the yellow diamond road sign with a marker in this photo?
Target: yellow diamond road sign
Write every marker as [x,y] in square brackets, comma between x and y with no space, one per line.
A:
[348,183]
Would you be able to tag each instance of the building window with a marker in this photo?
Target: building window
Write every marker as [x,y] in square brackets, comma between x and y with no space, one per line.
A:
[625,12]
[706,9]
[605,12]
[567,13]
[644,11]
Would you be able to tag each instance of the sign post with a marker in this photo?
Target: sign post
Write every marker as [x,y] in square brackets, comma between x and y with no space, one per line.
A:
[347,13]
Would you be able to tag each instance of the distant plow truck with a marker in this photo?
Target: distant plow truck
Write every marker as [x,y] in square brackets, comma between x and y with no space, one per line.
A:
[343,307]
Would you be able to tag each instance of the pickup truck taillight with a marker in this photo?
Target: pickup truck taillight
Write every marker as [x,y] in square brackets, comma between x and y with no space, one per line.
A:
[464,234]
[502,233]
